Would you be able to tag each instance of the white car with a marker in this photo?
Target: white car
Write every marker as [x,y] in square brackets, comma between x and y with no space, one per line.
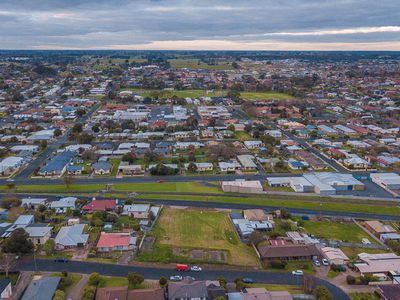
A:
[195,269]
[176,278]
[298,272]
[325,262]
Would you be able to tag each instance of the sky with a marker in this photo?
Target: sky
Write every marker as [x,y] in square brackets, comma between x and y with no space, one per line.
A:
[200,24]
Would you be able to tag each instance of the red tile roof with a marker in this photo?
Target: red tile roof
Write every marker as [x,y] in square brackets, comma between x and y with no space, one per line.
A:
[100,205]
[113,239]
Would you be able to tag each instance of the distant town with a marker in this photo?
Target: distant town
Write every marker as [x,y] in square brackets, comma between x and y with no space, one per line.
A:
[199,175]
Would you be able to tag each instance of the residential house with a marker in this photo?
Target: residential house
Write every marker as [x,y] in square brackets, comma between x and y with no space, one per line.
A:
[101,168]
[335,256]
[100,205]
[57,165]
[116,241]
[10,164]
[202,167]
[288,252]
[247,162]
[195,290]
[253,144]
[43,289]
[227,167]
[71,237]
[74,170]
[138,211]
[33,203]
[122,293]
[5,289]
[38,235]
[125,168]
[63,204]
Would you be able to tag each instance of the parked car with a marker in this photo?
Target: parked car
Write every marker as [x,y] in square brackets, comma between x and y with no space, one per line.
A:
[189,278]
[247,280]
[176,278]
[317,263]
[61,259]
[182,267]
[298,272]
[325,262]
[196,269]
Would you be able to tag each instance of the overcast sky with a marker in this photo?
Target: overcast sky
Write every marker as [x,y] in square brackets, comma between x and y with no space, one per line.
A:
[201,24]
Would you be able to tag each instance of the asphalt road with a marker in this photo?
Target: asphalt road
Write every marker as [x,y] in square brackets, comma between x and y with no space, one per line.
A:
[156,273]
[188,203]
[297,211]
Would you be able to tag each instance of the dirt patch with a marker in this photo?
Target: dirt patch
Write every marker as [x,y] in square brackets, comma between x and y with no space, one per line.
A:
[148,243]
[176,252]
[218,256]
[197,254]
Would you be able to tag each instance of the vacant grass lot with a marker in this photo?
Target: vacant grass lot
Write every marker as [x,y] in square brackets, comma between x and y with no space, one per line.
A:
[265,96]
[190,63]
[346,232]
[195,229]
[242,136]
[353,252]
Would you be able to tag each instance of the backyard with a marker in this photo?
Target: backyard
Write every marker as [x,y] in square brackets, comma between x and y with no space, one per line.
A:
[346,232]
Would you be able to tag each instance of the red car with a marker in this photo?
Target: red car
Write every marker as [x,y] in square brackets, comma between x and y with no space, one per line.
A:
[181,267]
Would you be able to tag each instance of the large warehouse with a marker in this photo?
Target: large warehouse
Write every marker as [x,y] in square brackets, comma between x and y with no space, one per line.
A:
[323,183]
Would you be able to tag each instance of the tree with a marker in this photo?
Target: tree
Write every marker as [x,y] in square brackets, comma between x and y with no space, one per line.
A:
[88,292]
[10,201]
[163,281]
[59,295]
[322,293]
[135,279]
[94,279]
[18,242]
[222,281]
[49,247]
[57,132]
[192,167]
[7,262]
[43,144]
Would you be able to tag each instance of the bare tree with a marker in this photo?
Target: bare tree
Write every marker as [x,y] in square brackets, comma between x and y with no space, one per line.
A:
[7,262]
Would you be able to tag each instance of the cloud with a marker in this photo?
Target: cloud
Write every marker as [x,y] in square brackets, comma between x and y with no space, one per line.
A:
[97,24]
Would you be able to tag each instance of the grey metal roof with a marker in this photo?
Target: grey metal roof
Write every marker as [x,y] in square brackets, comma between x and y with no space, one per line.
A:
[41,289]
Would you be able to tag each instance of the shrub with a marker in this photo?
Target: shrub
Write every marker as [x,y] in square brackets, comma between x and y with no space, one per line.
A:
[94,279]
[278,264]
[88,292]
[350,279]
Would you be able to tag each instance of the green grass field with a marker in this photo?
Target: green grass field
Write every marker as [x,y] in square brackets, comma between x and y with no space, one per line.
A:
[202,93]
[292,289]
[336,231]
[193,187]
[265,96]
[242,136]
[190,63]
[353,252]
[323,204]
[208,230]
